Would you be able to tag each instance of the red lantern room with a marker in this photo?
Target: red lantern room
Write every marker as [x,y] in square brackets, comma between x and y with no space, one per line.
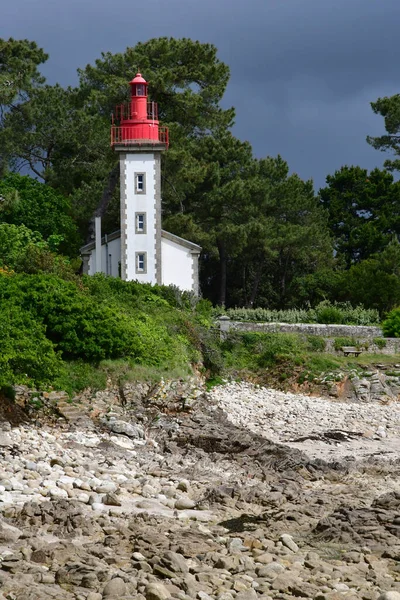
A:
[137,123]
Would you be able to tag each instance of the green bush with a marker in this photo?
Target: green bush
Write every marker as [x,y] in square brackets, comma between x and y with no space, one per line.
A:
[40,208]
[325,312]
[25,251]
[345,341]
[316,343]
[380,342]
[100,318]
[329,315]
[261,350]
[26,356]
[391,325]
[278,347]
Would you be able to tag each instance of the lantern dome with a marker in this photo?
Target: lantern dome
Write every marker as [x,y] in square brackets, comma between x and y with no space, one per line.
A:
[138,79]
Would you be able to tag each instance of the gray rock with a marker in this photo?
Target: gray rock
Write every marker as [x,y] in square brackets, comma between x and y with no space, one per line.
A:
[157,591]
[288,541]
[174,562]
[112,499]
[116,588]
[105,487]
[184,485]
[122,427]
[9,533]
[247,595]
[184,503]
[5,440]
[389,596]
[271,570]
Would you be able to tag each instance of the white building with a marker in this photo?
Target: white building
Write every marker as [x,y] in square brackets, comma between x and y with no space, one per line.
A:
[141,250]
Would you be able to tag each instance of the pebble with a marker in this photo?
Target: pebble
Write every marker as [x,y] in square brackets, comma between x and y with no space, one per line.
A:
[284,417]
[288,541]
[144,538]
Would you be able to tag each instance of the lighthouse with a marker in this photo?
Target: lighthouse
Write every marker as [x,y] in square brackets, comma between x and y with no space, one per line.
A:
[141,250]
[139,140]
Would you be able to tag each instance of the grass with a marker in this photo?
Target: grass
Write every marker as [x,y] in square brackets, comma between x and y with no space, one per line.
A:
[290,358]
[80,375]
[276,357]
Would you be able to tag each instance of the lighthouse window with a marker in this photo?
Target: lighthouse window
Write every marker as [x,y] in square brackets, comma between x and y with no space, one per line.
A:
[140,90]
[140,183]
[140,262]
[140,222]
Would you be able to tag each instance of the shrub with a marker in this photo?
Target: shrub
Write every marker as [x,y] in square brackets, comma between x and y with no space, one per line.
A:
[108,320]
[324,312]
[380,342]
[329,314]
[391,325]
[26,355]
[316,343]
[344,341]
[40,208]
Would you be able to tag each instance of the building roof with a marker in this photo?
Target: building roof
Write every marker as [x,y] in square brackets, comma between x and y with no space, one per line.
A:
[195,248]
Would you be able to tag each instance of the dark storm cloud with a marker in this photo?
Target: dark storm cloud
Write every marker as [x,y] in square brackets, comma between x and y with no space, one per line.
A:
[303,71]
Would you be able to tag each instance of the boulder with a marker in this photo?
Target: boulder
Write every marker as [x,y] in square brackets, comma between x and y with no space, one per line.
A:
[116,588]
[157,591]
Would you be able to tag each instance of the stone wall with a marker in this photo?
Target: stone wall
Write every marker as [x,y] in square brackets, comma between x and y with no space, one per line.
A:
[363,334]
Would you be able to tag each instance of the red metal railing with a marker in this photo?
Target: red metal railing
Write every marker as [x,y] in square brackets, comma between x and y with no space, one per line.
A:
[124,135]
[123,112]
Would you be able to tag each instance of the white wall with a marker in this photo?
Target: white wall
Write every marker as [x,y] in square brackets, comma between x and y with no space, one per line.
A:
[114,258]
[177,265]
[140,163]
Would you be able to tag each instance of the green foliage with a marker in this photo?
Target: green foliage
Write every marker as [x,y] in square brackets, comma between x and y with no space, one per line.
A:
[19,61]
[15,242]
[260,350]
[41,209]
[363,211]
[391,325]
[389,109]
[328,314]
[345,341]
[27,356]
[316,343]
[376,281]
[380,342]
[277,348]
[86,322]
[25,251]
[324,312]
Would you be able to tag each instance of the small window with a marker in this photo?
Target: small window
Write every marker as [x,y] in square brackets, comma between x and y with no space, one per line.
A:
[140,222]
[140,89]
[140,183]
[140,262]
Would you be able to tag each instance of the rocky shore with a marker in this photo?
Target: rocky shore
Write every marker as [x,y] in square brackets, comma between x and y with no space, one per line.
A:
[241,493]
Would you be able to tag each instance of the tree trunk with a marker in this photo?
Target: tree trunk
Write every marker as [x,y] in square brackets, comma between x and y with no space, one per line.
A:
[112,181]
[283,278]
[256,283]
[223,259]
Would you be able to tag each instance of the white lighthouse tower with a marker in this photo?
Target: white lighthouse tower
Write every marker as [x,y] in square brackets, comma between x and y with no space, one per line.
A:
[141,250]
[139,140]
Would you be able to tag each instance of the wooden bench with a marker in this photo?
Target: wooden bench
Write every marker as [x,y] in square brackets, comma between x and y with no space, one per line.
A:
[347,350]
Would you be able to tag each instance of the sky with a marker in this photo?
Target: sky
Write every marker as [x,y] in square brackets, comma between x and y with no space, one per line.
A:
[303,72]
